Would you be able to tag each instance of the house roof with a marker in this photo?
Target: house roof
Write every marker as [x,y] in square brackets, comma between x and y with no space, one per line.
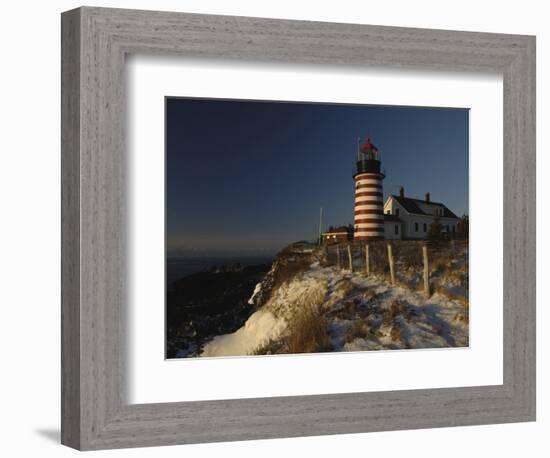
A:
[338,230]
[392,218]
[411,205]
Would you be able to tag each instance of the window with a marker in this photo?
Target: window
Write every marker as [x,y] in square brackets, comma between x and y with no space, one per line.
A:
[454,229]
[397,229]
[397,212]
[447,227]
[388,212]
[415,227]
[425,227]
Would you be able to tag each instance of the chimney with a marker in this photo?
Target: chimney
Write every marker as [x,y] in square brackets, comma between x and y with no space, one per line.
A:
[427,197]
[401,191]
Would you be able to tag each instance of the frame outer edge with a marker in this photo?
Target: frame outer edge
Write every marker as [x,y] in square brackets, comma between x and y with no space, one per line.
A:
[92,376]
[532,122]
[529,190]
[70,228]
[520,232]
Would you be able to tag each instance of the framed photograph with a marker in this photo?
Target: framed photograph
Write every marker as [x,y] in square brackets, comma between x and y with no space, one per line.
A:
[249,273]
[278,228]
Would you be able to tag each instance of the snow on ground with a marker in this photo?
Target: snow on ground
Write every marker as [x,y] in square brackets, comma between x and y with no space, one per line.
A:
[257,290]
[398,318]
[261,327]
[361,313]
[368,313]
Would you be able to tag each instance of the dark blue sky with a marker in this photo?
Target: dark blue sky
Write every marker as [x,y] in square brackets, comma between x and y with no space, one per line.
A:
[246,178]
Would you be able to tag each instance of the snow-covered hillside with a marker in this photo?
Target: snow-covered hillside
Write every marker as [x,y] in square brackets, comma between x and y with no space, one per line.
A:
[326,309]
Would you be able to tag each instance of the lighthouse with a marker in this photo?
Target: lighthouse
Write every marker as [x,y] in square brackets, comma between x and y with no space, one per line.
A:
[368,176]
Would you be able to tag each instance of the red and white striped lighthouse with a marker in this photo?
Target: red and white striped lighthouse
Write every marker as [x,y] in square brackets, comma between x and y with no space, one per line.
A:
[369,206]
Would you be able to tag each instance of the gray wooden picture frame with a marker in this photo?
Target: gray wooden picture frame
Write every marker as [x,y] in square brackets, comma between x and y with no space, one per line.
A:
[95,413]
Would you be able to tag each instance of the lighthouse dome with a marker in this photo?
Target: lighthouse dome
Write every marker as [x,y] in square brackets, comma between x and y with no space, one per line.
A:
[368,146]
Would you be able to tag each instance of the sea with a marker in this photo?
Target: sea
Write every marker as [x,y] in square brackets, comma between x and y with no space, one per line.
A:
[177,268]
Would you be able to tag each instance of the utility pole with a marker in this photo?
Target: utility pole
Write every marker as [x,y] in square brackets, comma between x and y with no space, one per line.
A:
[320,224]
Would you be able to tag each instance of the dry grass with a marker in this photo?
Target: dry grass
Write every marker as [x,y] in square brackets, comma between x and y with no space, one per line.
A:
[438,329]
[462,318]
[401,308]
[351,307]
[371,295]
[453,297]
[348,301]
[358,330]
[395,332]
[408,255]
[308,332]
[439,263]
[396,308]
[350,310]
[289,266]
[342,289]
[308,329]
[406,284]
[271,347]
[456,276]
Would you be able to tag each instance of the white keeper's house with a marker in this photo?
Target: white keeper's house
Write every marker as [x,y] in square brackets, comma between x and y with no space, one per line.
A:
[408,218]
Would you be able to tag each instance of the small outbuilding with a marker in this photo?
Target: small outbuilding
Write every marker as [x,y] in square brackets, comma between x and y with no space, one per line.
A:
[336,235]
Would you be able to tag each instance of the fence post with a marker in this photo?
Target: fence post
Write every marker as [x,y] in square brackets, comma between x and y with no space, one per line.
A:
[324,255]
[390,260]
[426,271]
[338,256]
[350,259]
[367,260]
[453,251]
